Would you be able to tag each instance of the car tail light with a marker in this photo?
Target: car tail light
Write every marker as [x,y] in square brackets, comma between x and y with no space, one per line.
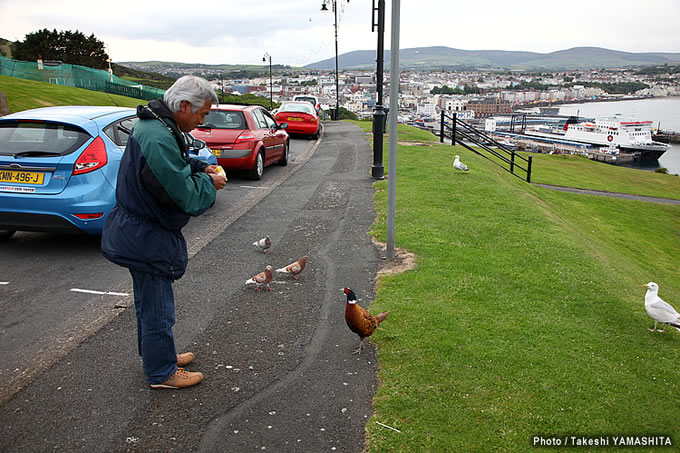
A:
[90,216]
[311,119]
[245,137]
[92,158]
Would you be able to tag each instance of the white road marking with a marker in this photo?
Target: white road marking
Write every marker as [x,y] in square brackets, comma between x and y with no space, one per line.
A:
[4,283]
[255,187]
[91,291]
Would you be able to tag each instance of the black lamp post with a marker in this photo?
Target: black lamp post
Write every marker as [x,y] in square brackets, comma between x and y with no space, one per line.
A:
[324,7]
[271,89]
[379,115]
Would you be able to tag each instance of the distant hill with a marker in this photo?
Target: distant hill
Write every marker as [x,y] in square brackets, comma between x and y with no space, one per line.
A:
[145,78]
[437,58]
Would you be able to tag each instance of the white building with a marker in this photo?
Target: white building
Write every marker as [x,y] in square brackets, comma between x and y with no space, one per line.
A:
[426,109]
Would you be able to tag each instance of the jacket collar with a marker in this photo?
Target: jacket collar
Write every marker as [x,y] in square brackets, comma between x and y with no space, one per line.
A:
[159,110]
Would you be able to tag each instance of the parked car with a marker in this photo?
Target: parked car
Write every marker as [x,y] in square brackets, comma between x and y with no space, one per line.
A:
[301,116]
[58,167]
[244,137]
[311,99]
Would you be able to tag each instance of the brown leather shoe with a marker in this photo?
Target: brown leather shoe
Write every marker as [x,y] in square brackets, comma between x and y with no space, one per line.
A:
[185,359]
[181,379]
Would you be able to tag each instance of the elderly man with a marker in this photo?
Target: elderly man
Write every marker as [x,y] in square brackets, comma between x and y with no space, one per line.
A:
[159,188]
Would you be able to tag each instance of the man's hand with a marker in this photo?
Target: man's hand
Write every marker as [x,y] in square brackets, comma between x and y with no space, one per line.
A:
[219,180]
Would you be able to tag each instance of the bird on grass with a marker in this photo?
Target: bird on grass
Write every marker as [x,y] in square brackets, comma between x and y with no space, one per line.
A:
[294,268]
[262,279]
[658,310]
[360,321]
[458,165]
[263,244]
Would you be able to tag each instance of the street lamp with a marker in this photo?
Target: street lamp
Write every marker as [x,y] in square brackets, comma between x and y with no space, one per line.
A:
[379,116]
[324,7]
[271,89]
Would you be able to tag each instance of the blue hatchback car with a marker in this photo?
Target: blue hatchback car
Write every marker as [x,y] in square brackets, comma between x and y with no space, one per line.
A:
[58,167]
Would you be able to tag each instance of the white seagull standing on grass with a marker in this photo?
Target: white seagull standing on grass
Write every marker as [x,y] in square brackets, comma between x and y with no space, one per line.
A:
[660,311]
[458,165]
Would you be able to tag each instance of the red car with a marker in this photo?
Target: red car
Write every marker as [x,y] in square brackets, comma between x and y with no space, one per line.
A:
[244,137]
[301,117]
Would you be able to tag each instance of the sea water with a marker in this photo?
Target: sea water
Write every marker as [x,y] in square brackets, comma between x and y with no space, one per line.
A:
[663,112]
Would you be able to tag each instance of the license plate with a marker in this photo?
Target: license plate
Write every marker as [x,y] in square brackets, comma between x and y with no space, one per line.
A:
[22,177]
[292,118]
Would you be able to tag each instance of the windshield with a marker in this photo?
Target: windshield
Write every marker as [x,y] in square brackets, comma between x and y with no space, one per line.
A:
[306,99]
[26,137]
[302,108]
[224,119]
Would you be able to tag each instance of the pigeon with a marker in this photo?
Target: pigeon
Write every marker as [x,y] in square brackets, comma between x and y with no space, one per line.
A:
[263,244]
[458,165]
[262,279]
[294,268]
[658,310]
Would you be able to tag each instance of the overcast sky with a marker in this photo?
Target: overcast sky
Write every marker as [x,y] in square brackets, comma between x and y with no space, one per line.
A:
[296,32]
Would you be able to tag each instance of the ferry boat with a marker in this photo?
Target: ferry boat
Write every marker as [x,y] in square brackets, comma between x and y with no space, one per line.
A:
[628,136]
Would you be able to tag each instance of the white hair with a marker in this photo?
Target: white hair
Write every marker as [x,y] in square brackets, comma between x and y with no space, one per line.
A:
[195,90]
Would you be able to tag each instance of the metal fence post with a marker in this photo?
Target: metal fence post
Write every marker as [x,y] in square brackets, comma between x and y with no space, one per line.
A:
[453,130]
[441,128]
[512,163]
[529,170]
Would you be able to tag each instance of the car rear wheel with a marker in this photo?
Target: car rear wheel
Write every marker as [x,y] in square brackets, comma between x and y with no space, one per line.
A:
[6,234]
[284,160]
[258,169]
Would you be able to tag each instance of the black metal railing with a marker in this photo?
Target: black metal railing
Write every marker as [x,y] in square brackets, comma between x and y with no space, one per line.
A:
[477,141]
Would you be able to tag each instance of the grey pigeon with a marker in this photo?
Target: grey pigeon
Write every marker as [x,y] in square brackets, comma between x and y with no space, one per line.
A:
[263,244]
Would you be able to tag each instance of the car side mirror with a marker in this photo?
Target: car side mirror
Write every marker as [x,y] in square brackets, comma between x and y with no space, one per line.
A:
[197,144]
[282,126]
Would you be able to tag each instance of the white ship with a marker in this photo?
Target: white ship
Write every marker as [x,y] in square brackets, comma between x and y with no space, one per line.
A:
[628,136]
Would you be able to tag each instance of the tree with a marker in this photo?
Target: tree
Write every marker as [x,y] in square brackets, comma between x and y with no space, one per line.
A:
[71,47]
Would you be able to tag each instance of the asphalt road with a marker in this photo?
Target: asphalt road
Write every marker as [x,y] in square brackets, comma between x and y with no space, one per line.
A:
[279,371]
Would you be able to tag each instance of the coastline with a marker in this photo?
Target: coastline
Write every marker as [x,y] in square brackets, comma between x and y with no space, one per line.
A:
[593,101]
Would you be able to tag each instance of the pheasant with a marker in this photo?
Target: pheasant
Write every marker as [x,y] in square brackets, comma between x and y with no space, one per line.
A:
[360,321]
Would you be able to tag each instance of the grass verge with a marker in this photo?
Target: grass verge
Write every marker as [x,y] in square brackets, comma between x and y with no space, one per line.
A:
[28,94]
[578,171]
[524,315]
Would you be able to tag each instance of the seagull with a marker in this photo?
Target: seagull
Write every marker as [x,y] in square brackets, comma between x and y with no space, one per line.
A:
[263,244]
[660,311]
[458,165]
[262,279]
[294,268]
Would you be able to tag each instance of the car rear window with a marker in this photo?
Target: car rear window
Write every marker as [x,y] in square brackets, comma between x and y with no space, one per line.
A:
[18,137]
[303,108]
[305,98]
[224,119]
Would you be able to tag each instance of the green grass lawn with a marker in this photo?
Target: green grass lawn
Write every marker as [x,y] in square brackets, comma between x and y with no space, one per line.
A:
[578,171]
[525,313]
[27,94]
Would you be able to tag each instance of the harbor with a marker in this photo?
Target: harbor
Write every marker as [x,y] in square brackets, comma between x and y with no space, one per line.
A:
[624,133]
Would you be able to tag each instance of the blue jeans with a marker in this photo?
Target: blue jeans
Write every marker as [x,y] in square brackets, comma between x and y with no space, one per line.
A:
[155,308]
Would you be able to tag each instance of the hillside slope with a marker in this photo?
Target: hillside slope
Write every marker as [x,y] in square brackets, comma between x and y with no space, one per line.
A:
[28,94]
